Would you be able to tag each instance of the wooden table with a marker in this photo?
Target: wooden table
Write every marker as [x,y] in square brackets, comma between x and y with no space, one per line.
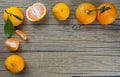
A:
[55,50]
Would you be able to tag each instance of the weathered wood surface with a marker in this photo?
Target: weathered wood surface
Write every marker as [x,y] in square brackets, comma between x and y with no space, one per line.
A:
[55,50]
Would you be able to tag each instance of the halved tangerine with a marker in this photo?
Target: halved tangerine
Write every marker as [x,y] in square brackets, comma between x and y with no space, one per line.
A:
[36,12]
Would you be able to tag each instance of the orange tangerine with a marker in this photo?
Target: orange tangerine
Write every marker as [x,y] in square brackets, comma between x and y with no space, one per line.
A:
[36,12]
[13,10]
[61,11]
[108,16]
[82,14]
[14,63]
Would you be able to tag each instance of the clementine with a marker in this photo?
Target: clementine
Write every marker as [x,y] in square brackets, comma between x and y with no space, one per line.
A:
[13,13]
[14,63]
[61,11]
[83,15]
[107,16]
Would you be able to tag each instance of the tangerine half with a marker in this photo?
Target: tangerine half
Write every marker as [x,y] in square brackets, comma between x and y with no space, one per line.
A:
[36,12]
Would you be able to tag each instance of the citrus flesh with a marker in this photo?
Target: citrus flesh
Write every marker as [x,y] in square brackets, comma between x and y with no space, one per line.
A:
[22,34]
[36,12]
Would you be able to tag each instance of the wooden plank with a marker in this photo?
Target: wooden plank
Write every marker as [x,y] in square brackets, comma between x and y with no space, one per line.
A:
[5,74]
[34,73]
[63,38]
[25,3]
[49,19]
[66,63]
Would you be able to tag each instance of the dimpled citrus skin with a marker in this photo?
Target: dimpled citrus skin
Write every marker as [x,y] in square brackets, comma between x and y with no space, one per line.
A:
[61,11]
[14,63]
[82,15]
[108,16]
[16,11]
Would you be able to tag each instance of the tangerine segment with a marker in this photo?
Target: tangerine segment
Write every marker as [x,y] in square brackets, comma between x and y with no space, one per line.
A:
[36,12]
[21,34]
[108,16]
[14,63]
[61,11]
[15,11]
[12,44]
[82,14]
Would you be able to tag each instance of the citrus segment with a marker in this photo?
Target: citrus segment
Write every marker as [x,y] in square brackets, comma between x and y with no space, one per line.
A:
[21,34]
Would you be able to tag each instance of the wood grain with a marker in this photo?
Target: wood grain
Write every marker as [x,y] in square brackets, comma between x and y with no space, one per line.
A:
[68,63]
[53,49]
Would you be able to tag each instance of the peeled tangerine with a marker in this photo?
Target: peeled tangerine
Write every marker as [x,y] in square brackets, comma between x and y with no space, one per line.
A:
[36,12]
[12,44]
[14,63]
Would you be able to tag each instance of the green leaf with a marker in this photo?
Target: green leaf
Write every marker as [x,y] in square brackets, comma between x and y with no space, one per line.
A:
[8,28]
[104,8]
[18,17]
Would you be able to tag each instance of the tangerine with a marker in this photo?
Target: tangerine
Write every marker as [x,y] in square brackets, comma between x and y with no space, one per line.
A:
[12,44]
[14,63]
[108,16]
[83,15]
[11,12]
[36,12]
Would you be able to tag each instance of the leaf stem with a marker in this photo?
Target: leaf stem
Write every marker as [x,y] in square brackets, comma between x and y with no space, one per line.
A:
[102,9]
[14,16]
[8,13]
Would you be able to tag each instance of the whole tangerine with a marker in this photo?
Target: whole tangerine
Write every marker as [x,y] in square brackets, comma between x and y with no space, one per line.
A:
[14,63]
[11,12]
[61,11]
[83,15]
[108,16]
